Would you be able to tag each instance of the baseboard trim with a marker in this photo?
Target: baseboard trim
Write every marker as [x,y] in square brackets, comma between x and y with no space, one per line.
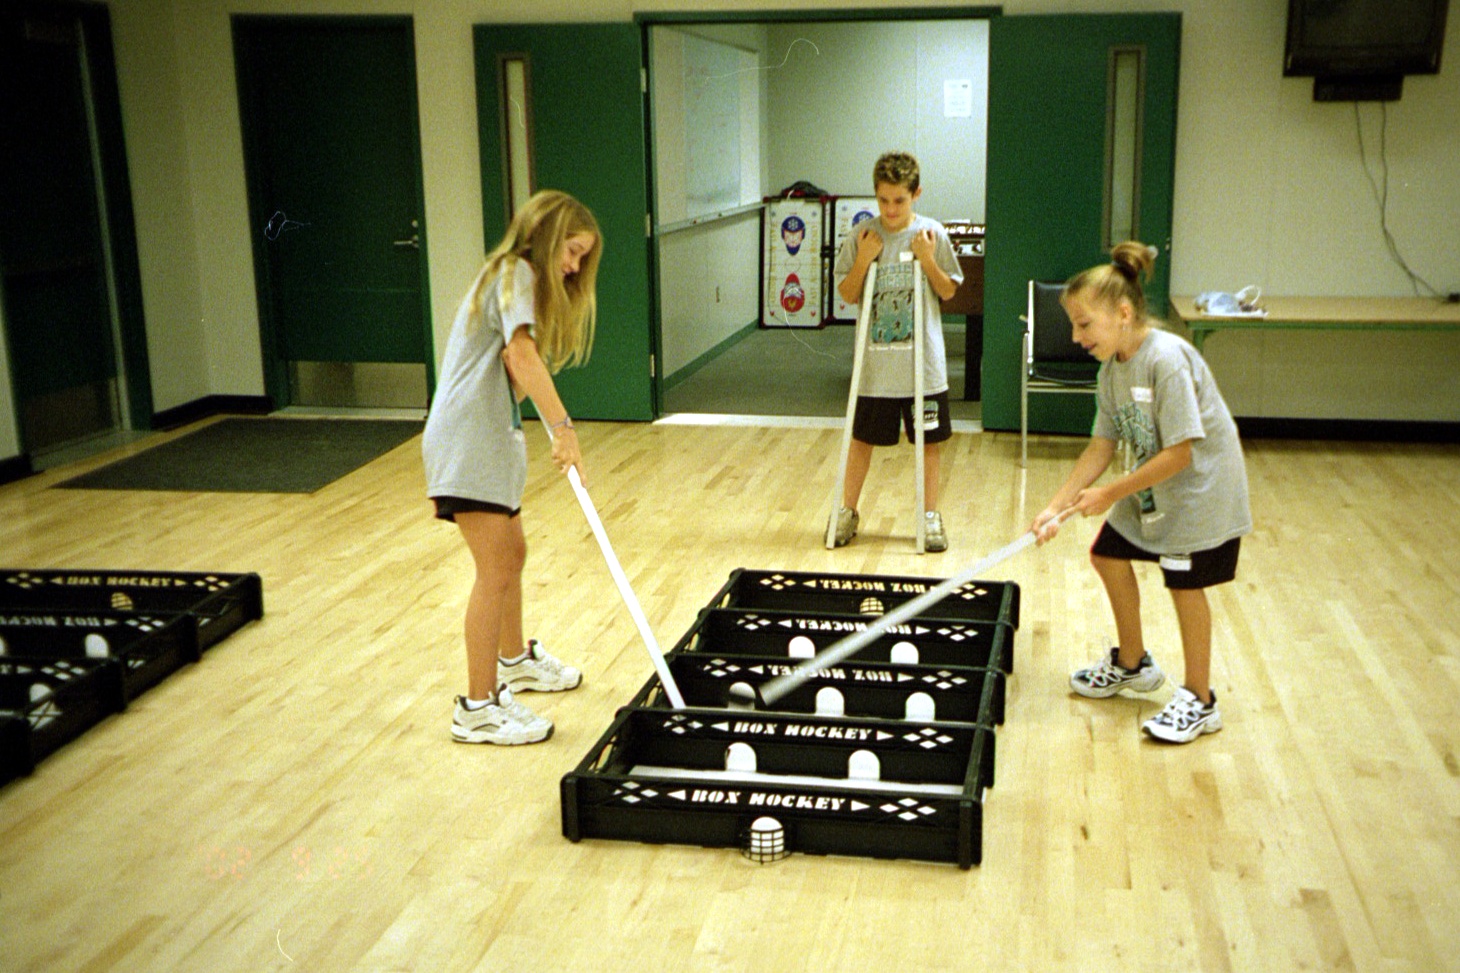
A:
[725,344]
[15,468]
[1353,430]
[212,405]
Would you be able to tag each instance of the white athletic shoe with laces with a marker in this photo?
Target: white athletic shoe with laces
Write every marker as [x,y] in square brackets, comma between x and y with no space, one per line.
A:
[1108,677]
[538,671]
[502,721]
[847,520]
[935,538]
[1185,718]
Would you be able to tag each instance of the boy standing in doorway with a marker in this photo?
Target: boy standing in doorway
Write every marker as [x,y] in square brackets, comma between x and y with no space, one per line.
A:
[885,400]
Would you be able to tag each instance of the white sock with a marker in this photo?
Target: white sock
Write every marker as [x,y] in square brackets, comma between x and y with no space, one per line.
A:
[475,704]
[512,661]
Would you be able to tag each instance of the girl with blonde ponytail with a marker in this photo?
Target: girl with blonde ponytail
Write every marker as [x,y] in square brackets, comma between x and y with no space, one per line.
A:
[529,313]
[1182,502]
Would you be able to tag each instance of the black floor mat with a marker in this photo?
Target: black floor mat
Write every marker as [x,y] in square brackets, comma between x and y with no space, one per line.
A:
[254,456]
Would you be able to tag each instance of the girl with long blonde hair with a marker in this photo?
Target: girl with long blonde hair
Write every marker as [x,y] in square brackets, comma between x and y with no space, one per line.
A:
[529,313]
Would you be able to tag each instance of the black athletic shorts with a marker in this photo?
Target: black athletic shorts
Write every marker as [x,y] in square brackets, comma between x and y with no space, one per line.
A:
[1200,569]
[448,507]
[875,420]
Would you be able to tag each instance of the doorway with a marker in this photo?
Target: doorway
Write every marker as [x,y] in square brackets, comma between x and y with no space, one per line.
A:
[68,264]
[818,118]
[332,155]
[572,155]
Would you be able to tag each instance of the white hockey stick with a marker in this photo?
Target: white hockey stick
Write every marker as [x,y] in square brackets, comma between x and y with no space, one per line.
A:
[743,695]
[918,434]
[671,689]
[864,315]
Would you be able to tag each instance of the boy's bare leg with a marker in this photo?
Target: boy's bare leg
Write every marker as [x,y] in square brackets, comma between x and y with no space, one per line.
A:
[932,466]
[1194,614]
[1124,593]
[494,607]
[859,461]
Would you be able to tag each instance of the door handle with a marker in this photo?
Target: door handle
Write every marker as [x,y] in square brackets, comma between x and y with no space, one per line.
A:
[414,242]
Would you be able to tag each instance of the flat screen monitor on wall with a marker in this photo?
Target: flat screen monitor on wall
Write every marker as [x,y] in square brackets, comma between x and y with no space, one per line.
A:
[1360,50]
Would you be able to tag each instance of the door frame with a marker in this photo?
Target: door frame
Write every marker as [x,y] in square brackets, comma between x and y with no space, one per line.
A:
[275,367]
[647,19]
[120,231]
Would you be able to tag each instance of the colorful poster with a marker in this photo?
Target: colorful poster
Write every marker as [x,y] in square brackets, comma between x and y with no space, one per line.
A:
[793,269]
[849,212]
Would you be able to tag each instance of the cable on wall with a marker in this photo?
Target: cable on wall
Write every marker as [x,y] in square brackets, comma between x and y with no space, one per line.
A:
[1381,196]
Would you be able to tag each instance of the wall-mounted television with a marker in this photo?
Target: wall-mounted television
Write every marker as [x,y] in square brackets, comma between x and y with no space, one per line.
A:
[1360,50]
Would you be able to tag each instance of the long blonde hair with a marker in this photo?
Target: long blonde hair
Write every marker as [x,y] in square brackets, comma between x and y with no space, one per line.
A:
[1119,280]
[566,309]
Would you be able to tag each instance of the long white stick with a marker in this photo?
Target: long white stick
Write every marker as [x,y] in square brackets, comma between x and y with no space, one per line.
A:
[774,689]
[918,434]
[864,314]
[671,689]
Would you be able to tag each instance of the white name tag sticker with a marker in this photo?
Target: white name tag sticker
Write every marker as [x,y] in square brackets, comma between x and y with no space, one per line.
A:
[1140,394]
[1175,562]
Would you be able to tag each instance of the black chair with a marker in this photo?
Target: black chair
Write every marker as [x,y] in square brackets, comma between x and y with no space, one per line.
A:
[1053,363]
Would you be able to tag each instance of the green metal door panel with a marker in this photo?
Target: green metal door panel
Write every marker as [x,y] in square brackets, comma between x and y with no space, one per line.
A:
[1046,166]
[335,175]
[58,327]
[1158,169]
[53,274]
[587,134]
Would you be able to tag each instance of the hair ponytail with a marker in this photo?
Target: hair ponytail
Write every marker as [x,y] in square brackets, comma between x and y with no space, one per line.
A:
[1119,280]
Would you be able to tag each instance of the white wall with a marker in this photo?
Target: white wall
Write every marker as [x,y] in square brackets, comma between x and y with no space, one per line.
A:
[709,286]
[1269,189]
[868,88]
[156,119]
[708,274]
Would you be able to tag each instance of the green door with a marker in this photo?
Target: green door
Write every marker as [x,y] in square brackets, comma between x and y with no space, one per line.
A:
[53,266]
[1049,78]
[332,146]
[586,137]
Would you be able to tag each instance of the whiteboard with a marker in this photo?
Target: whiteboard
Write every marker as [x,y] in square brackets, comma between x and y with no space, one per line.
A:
[706,105]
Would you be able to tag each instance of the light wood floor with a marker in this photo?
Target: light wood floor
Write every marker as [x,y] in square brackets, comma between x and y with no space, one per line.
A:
[293,801]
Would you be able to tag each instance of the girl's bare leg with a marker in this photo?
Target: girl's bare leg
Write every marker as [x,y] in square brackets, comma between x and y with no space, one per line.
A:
[1124,593]
[494,607]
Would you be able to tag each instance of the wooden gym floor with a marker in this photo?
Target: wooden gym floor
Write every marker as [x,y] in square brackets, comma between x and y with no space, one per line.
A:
[293,801]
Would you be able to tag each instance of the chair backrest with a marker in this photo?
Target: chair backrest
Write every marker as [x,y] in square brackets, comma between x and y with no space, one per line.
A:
[1050,328]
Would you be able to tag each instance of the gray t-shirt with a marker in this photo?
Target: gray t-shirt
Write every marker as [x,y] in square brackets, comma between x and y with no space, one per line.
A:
[1163,396]
[887,365]
[473,445]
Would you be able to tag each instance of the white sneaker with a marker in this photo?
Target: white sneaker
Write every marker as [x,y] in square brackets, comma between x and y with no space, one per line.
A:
[1108,677]
[524,715]
[502,721]
[847,520]
[538,671]
[1185,718]
[935,538]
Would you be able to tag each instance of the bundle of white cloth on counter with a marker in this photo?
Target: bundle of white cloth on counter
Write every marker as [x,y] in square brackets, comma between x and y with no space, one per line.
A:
[1243,304]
